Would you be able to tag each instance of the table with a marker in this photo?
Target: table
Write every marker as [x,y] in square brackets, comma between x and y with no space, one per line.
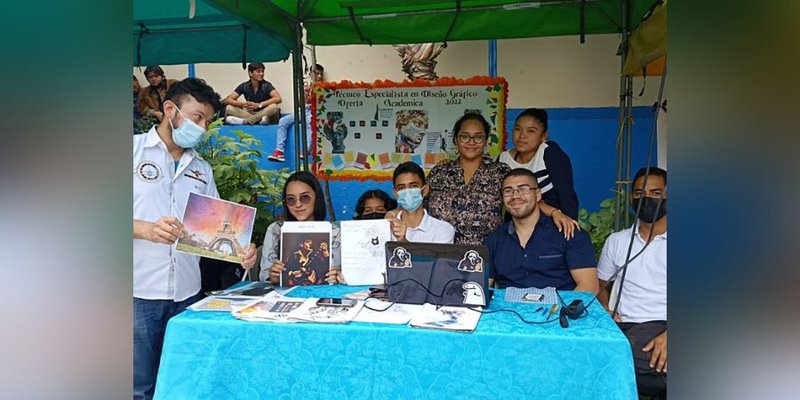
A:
[209,355]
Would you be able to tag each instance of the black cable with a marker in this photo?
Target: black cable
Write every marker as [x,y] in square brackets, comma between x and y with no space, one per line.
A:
[444,287]
[521,318]
[482,311]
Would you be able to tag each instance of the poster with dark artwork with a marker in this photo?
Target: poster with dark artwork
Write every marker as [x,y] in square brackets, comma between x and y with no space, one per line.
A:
[305,252]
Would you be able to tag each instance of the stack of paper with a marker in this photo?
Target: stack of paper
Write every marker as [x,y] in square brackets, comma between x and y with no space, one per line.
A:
[450,318]
[272,308]
[384,312]
[220,303]
[309,311]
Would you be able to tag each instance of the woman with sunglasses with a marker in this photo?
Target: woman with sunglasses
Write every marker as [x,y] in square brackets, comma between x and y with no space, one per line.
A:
[465,192]
[303,200]
[551,165]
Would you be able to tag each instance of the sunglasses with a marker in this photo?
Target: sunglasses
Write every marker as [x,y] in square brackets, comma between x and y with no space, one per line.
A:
[291,201]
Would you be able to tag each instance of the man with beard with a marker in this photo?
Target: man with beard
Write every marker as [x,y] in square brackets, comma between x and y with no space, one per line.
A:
[529,251]
[640,290]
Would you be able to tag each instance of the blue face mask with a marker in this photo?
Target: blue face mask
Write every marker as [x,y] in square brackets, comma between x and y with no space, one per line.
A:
[409,199]
[189,134]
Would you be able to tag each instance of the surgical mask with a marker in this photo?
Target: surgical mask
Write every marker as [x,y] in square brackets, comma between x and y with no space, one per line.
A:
[409,199]
[373,215]
[648,210]
[189,134]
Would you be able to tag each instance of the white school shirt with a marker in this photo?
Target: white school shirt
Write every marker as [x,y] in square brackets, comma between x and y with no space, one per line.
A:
[535,165]
[644,293]
[160,272]
[430,230]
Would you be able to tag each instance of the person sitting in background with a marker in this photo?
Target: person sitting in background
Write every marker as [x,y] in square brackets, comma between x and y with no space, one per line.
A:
[304,201]
[288,120]
[151,98]
[137,116]
[640,307]
[373,204]
[412,223]
[529,251]
[260,104]
[550,164]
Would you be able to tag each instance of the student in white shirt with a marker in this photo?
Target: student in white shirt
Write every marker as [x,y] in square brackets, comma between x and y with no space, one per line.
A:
[165,170]
[640,307]
[411,222]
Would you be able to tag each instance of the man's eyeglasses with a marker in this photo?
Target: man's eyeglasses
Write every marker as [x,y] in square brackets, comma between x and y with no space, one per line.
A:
[521,190]
[478,139]
[291,201]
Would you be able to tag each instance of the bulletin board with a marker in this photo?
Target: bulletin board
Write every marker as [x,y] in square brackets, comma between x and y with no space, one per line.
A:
[364,130]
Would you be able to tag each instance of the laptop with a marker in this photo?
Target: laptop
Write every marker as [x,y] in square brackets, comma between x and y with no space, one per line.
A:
[454,275]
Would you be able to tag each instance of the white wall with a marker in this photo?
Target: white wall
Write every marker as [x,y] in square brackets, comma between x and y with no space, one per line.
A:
[542,72]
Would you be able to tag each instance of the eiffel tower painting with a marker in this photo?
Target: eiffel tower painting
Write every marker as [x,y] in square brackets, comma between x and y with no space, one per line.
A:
[226,236]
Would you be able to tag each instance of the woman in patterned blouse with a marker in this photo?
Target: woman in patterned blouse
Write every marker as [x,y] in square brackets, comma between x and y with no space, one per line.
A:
[465,192]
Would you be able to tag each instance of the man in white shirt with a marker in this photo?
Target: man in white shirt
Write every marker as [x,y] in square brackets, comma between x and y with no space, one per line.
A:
[165,170]
[411,222]
[639,294]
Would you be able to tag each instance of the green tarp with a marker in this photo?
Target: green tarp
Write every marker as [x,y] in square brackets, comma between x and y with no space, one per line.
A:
[337,22]
[164,34]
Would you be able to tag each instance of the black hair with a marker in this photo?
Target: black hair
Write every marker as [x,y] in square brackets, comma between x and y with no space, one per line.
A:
[388,202]
[409,167]
[319,67]
[254,66]
[319,198]
[196,88]
[522,172]
[535,113]
[654,171]
[154,69]
[467,117]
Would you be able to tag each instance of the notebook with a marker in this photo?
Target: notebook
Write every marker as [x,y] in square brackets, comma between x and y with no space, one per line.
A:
[455,275]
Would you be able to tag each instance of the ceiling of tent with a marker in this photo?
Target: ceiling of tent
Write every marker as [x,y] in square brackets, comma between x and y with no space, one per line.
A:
[164,34]
[337,22]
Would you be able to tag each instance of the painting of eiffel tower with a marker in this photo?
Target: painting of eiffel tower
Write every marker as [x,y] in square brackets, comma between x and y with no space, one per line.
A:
[216,228]
[226,239]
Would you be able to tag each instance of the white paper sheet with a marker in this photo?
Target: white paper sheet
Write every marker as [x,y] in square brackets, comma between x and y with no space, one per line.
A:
[364,251]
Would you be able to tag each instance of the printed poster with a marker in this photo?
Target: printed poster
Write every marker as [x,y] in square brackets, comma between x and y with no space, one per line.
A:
[364,251]
[216,228]
[305,252]
[363,131]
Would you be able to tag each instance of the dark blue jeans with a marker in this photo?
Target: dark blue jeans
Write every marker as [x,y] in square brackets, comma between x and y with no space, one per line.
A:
[648,381]
[149,323]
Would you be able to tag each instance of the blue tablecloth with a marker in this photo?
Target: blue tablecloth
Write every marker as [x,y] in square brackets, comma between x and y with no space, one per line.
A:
[210,355]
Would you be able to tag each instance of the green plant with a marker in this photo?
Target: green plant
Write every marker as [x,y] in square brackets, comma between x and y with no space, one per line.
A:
[238,178]
[599,224]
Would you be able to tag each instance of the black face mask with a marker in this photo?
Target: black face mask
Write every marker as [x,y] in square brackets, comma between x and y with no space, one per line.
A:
[374,215]
[648,211]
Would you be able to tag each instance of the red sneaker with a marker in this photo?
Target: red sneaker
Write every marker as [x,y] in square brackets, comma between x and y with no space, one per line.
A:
[277,155]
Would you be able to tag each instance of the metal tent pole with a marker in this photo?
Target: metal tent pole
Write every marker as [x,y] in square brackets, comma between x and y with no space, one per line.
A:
[623,138]
[297,86]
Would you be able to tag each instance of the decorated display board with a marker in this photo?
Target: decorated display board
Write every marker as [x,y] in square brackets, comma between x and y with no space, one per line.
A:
[363,131]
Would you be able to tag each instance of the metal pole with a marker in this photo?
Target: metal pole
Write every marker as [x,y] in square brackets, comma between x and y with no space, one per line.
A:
[621,192]
[297,85]
[493,58]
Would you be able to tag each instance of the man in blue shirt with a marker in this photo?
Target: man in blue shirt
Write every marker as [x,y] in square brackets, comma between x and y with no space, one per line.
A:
[530,251]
